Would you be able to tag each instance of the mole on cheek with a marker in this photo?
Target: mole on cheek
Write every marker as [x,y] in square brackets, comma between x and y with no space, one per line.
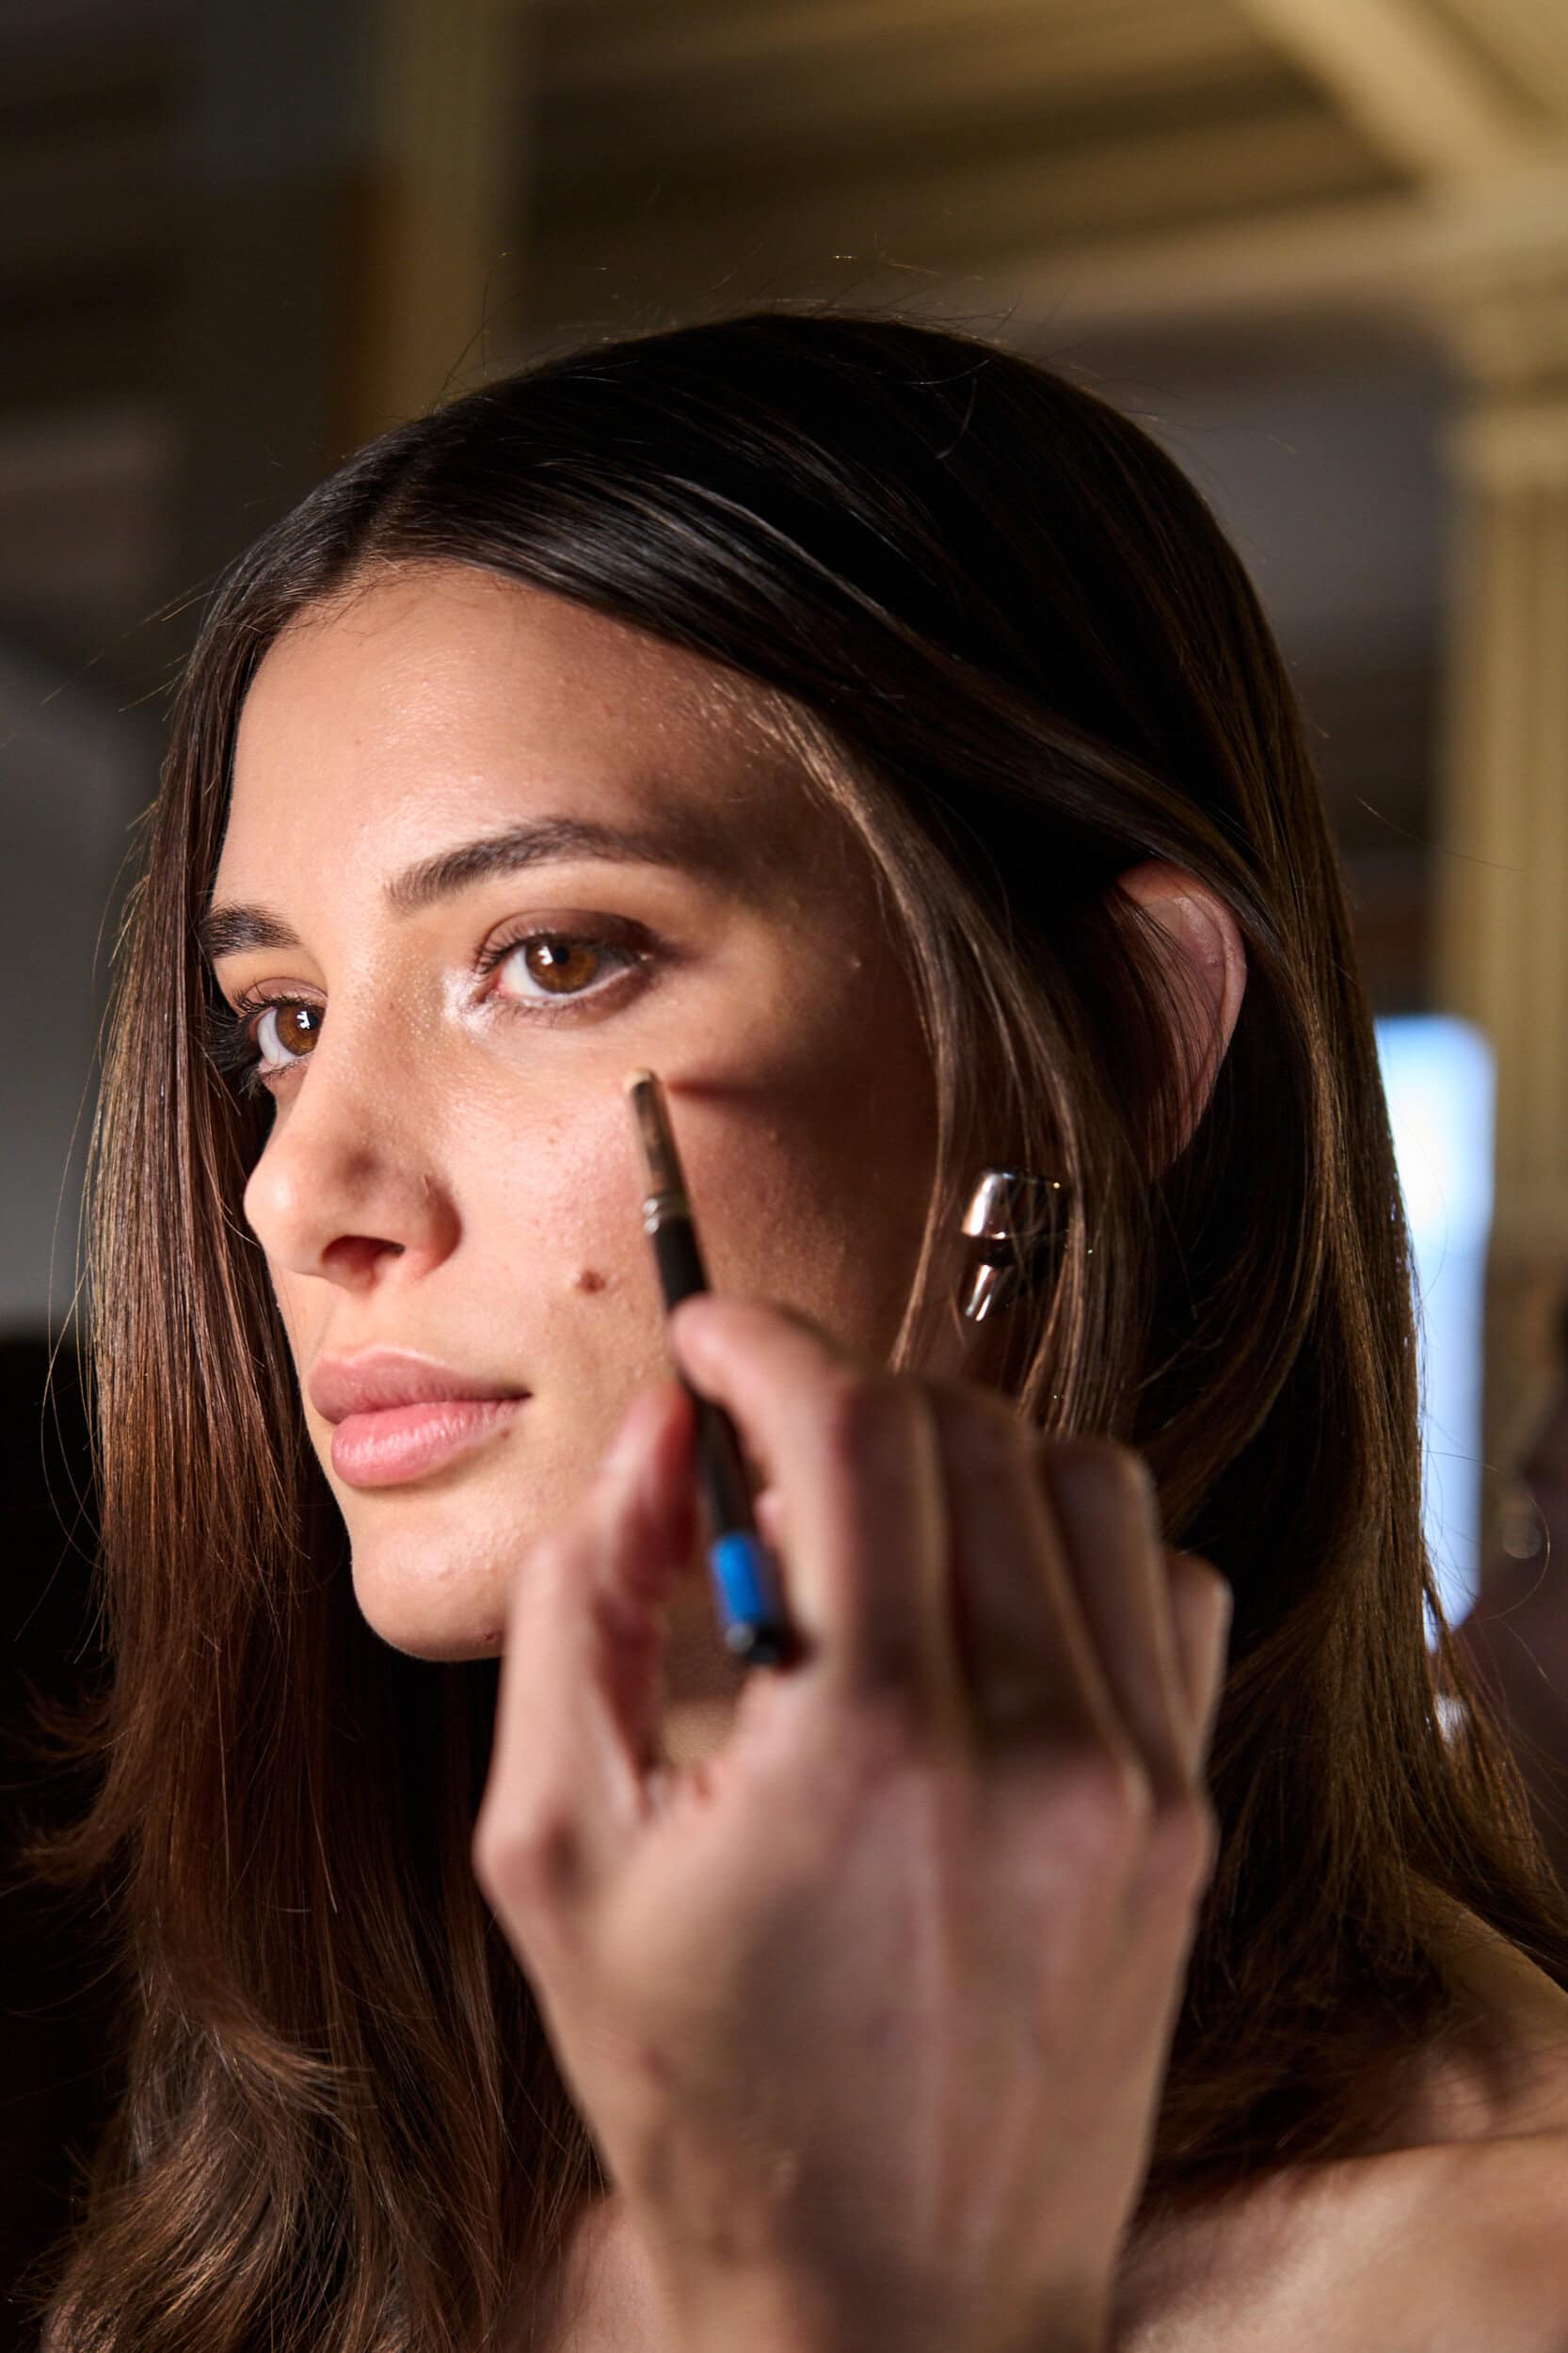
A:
[587,1278]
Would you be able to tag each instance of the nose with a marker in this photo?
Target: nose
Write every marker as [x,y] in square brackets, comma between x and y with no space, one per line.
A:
[344,1189]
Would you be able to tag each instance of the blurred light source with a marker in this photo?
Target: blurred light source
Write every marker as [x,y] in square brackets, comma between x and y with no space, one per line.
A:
[1437,1075]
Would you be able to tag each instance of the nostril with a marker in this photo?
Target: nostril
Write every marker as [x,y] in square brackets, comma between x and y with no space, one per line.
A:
[353,1257]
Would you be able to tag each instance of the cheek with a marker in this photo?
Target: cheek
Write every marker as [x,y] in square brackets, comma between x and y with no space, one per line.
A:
[835,1234]
[811,1172]
[807,1139]
[550,1204]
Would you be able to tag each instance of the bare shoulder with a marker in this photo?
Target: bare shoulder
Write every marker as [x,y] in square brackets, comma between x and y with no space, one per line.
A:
[1488,2241]
[1446,2249]
[1450,2237]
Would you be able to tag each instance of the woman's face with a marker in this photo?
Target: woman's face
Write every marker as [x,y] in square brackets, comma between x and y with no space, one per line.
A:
[498,853]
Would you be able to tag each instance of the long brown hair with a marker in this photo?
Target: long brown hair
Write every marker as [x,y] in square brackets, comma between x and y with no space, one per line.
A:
[1011,644]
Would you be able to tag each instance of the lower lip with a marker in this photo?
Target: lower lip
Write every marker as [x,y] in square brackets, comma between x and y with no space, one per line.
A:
[404,1442]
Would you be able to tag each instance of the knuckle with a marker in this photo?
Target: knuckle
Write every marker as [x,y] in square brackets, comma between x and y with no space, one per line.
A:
[988,1430]
[533,1862]
[787,1313]
[1203,1602]
[1099,1466]
[1108,1799]
[1183,1845]
[551,1563]
[860,1410]
[1201,1581]
[884,1738]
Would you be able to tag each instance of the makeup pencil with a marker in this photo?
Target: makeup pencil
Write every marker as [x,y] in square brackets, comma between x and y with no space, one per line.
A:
[744,1579]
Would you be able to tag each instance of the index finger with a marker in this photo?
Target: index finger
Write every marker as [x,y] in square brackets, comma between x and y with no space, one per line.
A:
[852,1455]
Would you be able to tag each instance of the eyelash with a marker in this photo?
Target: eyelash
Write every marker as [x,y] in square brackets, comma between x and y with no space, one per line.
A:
[230,1029]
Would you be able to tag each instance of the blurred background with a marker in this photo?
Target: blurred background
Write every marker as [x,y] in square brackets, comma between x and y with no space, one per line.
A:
[1318,246]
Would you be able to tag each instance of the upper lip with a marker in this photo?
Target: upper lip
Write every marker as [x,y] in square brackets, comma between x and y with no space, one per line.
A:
[384,1377]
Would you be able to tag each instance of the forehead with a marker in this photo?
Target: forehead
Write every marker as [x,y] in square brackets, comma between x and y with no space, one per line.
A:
[440,696]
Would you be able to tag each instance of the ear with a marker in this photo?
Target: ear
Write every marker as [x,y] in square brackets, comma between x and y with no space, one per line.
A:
[1204,935]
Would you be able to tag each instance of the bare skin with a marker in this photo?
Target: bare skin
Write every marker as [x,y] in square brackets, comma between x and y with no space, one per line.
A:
[454,1172]
[1448,2242]
[458,1180]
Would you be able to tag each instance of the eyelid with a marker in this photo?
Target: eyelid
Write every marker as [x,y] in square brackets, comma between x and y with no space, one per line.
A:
[618,930]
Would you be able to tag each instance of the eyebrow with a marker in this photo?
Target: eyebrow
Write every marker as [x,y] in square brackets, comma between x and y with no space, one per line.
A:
[685,842]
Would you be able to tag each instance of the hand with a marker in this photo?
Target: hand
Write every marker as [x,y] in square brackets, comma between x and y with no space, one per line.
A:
[870,2012]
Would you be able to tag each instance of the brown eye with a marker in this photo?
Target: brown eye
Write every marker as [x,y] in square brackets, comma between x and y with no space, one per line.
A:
[287,1033]
[560,965]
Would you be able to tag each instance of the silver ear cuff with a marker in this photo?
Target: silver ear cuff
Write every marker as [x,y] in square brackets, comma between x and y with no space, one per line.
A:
[1008,1225]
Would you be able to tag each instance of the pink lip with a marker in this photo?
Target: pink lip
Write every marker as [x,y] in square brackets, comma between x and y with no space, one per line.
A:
[398,1415]
[379,1377]
[403,1442]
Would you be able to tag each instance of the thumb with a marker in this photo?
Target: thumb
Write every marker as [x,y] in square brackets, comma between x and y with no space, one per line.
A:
[577,1718]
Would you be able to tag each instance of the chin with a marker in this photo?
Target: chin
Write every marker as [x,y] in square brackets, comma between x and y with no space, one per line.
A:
[434,1566]
[430,1613]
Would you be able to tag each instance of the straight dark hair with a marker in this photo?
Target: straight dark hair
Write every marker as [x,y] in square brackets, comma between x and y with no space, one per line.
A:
[1012,649]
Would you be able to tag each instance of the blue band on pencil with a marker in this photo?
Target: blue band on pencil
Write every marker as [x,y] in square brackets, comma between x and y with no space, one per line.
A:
[746,1577]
